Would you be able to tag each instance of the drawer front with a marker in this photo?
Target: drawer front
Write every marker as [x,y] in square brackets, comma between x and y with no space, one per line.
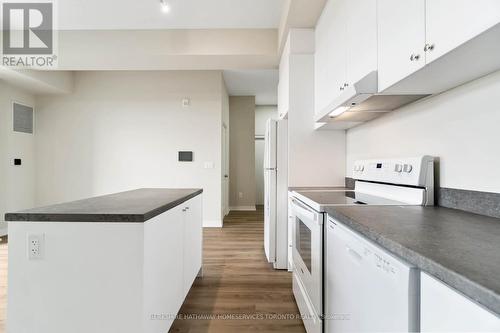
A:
[312,322]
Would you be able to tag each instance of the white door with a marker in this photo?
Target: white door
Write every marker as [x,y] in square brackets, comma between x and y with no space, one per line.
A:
[401,39]
[450,23]
[225,171]
[270,191]
[259,171]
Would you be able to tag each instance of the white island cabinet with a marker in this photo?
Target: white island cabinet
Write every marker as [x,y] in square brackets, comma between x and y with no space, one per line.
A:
[125,265]
[442,309]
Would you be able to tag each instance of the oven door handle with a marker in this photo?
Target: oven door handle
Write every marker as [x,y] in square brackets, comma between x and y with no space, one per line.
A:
[307,213]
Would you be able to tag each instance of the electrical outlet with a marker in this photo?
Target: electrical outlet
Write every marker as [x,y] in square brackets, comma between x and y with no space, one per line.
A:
[35,246]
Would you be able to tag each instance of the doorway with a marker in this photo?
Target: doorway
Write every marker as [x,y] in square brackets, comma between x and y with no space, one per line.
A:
[225,171]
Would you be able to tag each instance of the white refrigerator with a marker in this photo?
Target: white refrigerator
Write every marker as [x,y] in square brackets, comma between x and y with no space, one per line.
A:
[276,193]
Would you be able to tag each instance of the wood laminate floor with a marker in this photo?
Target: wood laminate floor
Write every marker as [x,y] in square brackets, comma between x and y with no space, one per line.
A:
[239,291]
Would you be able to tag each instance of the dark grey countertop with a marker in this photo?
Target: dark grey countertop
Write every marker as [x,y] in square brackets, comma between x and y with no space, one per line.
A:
[132,206]
[459,248]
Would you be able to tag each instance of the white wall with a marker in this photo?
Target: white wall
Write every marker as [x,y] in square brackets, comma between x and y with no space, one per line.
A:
[122,130]
[242,153]
[17,183]
[461,127]
[262,114]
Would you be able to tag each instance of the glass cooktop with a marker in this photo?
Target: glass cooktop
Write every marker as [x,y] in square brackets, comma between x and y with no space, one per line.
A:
[340,198]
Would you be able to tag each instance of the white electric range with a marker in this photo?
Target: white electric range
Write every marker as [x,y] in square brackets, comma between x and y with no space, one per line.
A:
[398,182]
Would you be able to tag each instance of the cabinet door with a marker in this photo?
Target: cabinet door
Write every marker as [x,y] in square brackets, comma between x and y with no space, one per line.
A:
[450,23]
[337,49]
[193,240]
[401,34]
[163,268]
[284,85]
[445,310]
[280,98]
[361,39]
[321,84]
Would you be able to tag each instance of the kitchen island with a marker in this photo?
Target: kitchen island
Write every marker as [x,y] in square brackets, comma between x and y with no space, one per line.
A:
[117,263]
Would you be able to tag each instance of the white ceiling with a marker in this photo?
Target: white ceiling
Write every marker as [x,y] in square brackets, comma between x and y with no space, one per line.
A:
[263,84]
[184,14]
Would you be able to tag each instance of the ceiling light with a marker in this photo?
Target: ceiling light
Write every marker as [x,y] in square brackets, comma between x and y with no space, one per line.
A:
[338,111]
[165,7]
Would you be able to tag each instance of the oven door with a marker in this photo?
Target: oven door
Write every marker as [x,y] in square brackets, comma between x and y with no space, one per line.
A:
[308,253]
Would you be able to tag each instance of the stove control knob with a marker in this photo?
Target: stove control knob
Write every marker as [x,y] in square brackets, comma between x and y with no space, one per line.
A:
[356,168]
[361,167]
[398,168]
[407,168]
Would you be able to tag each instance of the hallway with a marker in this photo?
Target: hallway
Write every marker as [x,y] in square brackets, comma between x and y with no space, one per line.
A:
[238,283]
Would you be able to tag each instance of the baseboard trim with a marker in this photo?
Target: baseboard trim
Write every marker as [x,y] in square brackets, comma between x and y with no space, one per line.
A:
[212,224]
[242,208]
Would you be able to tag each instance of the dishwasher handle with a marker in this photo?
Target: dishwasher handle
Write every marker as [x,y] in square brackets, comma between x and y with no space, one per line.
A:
[354,253]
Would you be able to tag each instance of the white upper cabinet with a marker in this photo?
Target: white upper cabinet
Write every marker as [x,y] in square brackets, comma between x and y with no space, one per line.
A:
[284,85]
[401,39]
[346,47]
[362,39]
[336,50]
[450,23]
[321,63]
[299,42]
[412,34]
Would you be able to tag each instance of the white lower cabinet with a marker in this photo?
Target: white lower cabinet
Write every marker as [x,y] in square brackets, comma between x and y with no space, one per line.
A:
[193,241]
[172,260]
[442,309]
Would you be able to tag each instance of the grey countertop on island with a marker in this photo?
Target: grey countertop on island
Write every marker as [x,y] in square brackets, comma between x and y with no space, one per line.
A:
[459,248]
[132,206]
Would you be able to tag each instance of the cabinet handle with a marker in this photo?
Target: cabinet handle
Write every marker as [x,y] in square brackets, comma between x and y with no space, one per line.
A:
[346,84]
[187,208]
[414,57]
[428,47]
[341,88]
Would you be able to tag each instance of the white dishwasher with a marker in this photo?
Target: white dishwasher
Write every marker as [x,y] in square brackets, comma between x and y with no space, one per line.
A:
[366,288]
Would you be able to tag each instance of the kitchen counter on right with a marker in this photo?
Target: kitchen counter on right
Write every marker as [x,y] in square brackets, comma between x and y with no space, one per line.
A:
[461,249]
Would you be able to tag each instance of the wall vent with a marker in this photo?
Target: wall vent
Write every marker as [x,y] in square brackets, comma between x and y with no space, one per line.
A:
[23,118]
